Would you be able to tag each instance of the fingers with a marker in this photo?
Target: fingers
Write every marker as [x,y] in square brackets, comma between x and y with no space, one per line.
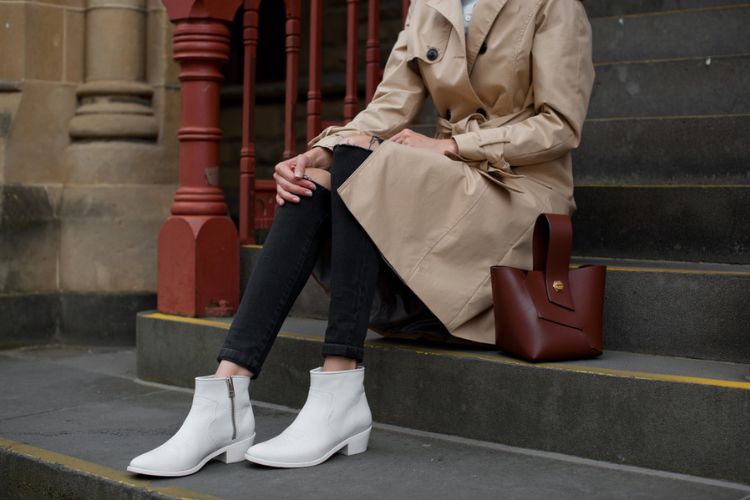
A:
[404,137]
[300,165]
[288,186]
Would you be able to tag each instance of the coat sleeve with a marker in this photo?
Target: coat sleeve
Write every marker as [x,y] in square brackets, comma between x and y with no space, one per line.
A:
[396,101]
[562,79]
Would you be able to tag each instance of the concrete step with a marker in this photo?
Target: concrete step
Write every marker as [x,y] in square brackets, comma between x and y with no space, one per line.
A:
[72,418]
[672,414]
[711,149]
[603,8]
[651,307]
[682,222]
[689,86]
[711,31]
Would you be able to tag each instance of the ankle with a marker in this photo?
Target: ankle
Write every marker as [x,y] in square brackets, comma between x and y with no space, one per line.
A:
[338,363]
[229,369]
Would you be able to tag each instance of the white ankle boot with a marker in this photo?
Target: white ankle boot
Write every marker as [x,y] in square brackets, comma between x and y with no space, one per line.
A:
[335,417]
[220,425]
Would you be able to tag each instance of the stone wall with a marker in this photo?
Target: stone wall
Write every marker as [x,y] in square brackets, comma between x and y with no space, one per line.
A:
[89,111]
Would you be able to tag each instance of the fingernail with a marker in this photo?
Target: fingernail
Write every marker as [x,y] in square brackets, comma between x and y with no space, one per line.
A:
[308,192]
[296,199]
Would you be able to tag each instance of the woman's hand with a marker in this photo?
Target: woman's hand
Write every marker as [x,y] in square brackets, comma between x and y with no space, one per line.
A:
[413,139]
[289,174]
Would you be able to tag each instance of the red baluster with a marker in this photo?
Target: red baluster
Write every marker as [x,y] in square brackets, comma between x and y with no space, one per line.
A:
[292,74]
[372,56]
[250,20]
[198,250]
[314,94]
[350,100]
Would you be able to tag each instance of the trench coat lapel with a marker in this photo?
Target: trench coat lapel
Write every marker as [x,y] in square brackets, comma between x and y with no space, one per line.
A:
[451,10]
[482,19]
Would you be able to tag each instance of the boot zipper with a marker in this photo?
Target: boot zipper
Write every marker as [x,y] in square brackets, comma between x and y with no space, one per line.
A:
[230,387]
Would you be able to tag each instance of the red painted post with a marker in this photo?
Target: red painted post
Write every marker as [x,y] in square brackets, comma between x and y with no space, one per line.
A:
[198,250]
[372,55]
[250,20]
[314,94]
[350,99]
[293,38]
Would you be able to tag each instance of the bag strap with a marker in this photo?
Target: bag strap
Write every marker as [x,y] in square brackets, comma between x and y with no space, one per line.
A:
[553,242]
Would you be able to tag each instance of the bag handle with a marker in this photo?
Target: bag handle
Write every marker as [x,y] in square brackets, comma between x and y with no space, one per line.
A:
[553,242]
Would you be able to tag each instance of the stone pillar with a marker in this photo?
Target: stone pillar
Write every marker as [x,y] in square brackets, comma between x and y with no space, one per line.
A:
[198,249]
[115,100]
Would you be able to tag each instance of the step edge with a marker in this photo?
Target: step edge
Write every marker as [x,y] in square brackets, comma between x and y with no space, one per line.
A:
[670,12]
[79,467]
[495,358]
[669,60]
[637,265]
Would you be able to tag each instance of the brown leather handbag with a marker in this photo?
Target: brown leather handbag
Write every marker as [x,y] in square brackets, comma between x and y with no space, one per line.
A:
[552,312]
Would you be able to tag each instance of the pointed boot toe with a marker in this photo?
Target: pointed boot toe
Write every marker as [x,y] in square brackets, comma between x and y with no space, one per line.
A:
[220,425]
[335,418]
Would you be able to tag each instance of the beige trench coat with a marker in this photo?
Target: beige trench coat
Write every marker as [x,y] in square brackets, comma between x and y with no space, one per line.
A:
[513,93]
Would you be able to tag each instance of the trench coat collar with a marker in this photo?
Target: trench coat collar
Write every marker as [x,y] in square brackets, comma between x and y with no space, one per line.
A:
[482,18]
[451,10]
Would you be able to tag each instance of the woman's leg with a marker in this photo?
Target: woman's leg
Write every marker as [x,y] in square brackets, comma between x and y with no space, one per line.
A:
[336,416]
[284,266]
[354,270]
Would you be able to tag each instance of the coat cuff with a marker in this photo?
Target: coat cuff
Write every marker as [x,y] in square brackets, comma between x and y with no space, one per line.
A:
[468,146]
[331,136]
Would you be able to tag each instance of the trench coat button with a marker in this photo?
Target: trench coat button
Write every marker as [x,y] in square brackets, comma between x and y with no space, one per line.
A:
[432,54]
[482,112]
[483,48]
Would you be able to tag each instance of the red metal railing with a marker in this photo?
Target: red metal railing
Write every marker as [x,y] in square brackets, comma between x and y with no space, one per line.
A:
[260,214]
[198,252]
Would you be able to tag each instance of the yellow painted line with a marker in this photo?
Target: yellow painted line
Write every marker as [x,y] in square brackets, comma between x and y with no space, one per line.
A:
[185,319]
[495,358]
[675,271]
[123,478]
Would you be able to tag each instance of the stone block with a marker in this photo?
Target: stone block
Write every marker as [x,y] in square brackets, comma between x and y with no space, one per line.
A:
[108,237]
[695,86]
[75,31]
[40,133]
[45,39]
[686,223]
[712,33]
[118,162]
[12,41]
[28,318]
[29,235]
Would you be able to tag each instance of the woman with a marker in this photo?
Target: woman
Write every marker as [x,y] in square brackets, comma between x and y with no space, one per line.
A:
[415,222]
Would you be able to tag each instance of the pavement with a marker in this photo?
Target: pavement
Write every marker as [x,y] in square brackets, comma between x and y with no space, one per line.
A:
[71,418]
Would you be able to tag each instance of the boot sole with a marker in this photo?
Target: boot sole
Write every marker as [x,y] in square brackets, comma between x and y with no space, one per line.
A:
[228,454]
[350,446]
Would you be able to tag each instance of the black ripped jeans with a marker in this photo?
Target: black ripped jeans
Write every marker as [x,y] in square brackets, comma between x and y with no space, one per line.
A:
[286,262]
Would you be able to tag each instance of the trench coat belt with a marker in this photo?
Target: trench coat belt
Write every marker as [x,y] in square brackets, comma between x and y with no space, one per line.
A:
[494,166]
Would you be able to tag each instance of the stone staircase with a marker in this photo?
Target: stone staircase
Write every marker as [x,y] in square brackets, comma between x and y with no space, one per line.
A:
[663,185]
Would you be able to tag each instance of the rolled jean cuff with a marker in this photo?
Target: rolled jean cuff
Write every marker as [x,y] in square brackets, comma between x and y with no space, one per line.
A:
[346,351]
[238,358]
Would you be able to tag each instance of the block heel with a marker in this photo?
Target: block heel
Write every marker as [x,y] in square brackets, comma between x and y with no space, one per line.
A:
[236,452]
[357,444]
